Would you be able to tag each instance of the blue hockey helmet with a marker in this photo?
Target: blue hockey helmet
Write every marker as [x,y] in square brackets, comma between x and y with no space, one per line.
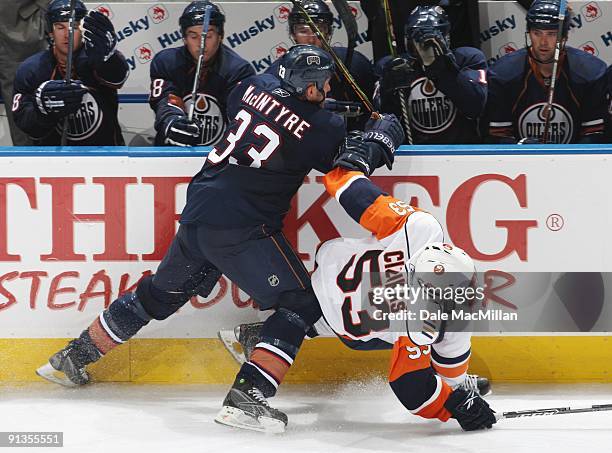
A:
[317,10]
[544,15]
[59,11]
[427,17]
[193,14]
[304,65]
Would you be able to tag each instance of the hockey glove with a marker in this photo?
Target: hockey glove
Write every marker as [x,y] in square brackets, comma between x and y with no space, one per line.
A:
[430,44]
[357,155]
[100,38]
[182,132]
[470,410]
[56,98]
[347,109]
[398,73]
[387,132]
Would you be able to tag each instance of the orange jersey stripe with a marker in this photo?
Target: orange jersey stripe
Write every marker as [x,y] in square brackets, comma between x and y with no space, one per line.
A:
[407,357]
[338,179]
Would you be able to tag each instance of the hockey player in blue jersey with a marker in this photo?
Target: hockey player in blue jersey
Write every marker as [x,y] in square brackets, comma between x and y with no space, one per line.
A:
[42,100]
[232,224]
[360,67]
[172,76]
[519,84]
[445,90]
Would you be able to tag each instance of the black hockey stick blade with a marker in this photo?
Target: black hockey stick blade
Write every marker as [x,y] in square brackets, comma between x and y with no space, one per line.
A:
[554,411]
[350,25]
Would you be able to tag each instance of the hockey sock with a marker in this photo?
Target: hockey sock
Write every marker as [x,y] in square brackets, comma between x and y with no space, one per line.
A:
[280,339]
[117,324]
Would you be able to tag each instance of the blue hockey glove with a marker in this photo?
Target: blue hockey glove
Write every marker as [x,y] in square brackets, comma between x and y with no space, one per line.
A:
[182,132]
[100,38]
[470,410]
[398,73]
[387,132]
[357,155]
[56,98]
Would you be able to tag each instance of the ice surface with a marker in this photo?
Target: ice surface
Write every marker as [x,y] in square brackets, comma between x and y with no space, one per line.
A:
[353,418]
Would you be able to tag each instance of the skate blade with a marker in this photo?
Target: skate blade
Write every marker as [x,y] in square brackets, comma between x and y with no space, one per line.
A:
[237,418]
[52,375]
[228,338]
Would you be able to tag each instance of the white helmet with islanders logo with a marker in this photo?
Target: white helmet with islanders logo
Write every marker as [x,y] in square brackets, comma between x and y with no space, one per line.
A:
[439,275]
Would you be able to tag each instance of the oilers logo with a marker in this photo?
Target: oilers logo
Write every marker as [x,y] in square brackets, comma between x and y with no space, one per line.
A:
[532,120]
[431,112]
[208,111]
[85,121]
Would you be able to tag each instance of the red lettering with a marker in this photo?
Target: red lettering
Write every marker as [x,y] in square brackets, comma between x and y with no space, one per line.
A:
[165,216]
[222,285]
[458,218]
[54,290]
[490,290]
[315,215]
[123,283]
[64,217]
[29,187]
[98,277]
[430,183]
[34,285]
[10,297]
[236,298]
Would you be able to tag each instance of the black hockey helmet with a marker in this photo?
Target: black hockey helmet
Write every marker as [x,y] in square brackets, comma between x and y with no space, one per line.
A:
[59,11]
[302,66]
[426,17]
[193,14]
[544,15]
[317,10]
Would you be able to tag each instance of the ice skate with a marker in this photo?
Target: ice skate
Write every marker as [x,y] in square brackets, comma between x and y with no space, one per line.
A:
[241,341]
[246,407]
[478,383]
[67,367]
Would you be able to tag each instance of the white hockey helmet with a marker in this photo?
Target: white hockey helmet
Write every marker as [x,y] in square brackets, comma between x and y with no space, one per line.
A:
[442,272]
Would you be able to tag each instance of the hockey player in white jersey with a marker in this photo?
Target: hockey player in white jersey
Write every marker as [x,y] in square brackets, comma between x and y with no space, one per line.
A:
[428,368]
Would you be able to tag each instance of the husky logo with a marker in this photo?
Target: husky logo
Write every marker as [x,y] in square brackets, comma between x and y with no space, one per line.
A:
[144,53]
[278,50]
[106,10]
[507,48]
[532,120]
[589,47]
[208,112]
[431,112]
[282,12]
[158,13]
[313,59]
[85,121]
[591,11]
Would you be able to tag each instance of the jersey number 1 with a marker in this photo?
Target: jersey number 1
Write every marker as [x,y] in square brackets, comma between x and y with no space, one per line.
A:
[258,156]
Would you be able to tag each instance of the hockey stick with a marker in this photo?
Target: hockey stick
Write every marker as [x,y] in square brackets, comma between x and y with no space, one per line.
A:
[196,80]
[339,64]
[350,25]
[553,77]
[68,76]
[553,411]
[393,48]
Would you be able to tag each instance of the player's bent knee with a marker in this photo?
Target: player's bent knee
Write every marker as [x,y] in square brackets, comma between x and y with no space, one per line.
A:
[159,304]
[126,316]
[301,307]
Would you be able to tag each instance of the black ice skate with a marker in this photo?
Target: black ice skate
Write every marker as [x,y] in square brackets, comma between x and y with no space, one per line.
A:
[67,367]
[478,383]
[241,341]
[247,408]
